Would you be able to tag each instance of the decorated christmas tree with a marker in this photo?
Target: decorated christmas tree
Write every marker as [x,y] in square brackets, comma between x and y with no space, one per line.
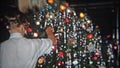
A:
[79,43]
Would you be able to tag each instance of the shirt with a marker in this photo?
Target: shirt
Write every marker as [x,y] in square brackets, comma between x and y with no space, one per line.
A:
[20,52]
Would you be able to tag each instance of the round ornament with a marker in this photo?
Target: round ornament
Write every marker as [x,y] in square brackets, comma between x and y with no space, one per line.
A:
[41,60]
[66,20]
[95,57]
[82,15]
[50,1]
[29,29]
[66,4]
[60,54]
[89,36]
[62,7]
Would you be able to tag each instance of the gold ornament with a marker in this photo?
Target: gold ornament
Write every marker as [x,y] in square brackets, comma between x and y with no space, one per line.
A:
[41,60]
[62,7]
[50,1]
[82,15]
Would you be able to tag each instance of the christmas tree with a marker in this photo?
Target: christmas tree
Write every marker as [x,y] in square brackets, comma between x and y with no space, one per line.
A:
[79,43]
[110,51]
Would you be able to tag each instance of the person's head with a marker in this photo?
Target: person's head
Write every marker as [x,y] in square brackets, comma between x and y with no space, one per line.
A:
[17,22]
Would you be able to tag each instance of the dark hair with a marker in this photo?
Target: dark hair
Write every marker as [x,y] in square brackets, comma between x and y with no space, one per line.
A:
[15,16]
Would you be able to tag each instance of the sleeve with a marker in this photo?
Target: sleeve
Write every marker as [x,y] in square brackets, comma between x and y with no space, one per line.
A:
[42,46]
[46,46]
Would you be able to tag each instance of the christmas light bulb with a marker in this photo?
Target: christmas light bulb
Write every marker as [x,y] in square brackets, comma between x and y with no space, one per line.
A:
[37,23]
[89,36]
[51,16]
[68,10]
[75,62]
[95,57]
[61,30]
[35,34]
[59,63]
[54,47]
[62,7]
[29,29]
[42,9]
[66,4]
[41,60]
[82,15]
[50,7]
[7,27]
[97,26]
[50,1]
[115,47]
[91,62]
[66,20]
[88,21]
[60,54]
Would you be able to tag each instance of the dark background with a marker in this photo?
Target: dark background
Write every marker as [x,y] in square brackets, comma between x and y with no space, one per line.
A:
[102,13]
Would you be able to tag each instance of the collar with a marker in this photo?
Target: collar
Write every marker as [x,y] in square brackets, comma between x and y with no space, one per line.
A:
[15,35]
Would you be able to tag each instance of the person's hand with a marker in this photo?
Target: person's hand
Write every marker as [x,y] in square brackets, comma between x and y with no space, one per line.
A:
[49,29]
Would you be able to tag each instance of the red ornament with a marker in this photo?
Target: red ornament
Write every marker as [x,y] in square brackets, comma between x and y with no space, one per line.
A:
[29,29]
[89,36]
[96,26]
[95,57]
[108,36]
[66,4]
[115,47]
[66,20]
[60,54]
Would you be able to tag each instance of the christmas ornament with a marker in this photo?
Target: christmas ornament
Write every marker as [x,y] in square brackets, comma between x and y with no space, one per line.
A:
[35,34]
[62,7]
[29,29]
[66,20]
[66,4]
[41,60]
[115,47]
[50,1]
[95,57]
[89,36]
[82,15]
[60,54]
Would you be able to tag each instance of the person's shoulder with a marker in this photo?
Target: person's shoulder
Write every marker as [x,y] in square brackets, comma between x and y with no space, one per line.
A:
[4,42]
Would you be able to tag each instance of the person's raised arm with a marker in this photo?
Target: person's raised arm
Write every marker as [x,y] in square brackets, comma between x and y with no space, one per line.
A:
[49,30]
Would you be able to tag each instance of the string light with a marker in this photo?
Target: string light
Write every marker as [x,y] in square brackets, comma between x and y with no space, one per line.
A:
[89,36]
[62,7]
[50,1]
[115,47]
[82,15]
[37,23]
[35,34]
